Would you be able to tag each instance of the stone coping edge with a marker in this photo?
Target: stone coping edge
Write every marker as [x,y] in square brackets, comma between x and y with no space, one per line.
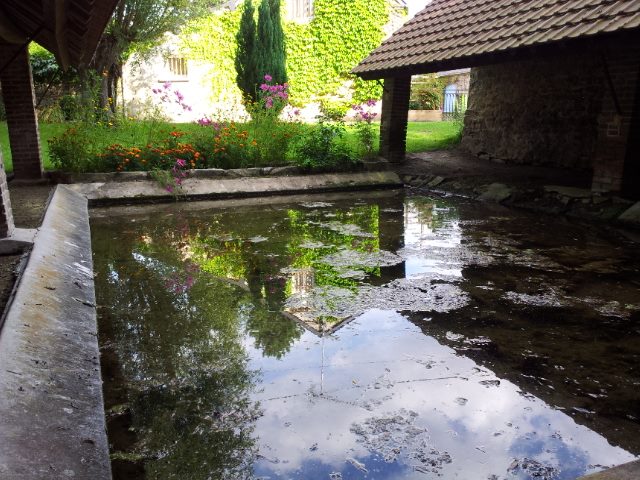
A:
[288,170]
[626,471]
[149,191]
[52,422]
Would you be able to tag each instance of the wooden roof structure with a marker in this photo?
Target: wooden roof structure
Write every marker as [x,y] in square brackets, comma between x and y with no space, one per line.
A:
[70,29]
[450,34]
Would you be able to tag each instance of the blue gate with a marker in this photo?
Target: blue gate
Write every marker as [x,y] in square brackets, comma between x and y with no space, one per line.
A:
[455,101]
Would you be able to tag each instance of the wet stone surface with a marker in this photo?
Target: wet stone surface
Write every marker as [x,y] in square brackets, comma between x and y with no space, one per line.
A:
[373,337]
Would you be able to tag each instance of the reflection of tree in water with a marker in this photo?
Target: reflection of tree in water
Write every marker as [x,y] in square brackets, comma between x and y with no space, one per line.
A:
[431,212]
[180,295]
[312,240]
[188,383]
[189,252]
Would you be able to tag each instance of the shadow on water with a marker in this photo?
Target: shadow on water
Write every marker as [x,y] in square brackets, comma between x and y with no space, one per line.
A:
[365,336]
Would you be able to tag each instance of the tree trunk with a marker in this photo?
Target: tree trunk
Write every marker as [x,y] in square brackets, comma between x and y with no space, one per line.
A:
[106,63]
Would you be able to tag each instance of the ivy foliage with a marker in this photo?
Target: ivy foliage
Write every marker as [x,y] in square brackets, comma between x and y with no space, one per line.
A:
[320,53]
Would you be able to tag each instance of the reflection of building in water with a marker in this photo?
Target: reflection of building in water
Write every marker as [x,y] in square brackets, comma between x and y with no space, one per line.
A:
[304,307]
[302,281]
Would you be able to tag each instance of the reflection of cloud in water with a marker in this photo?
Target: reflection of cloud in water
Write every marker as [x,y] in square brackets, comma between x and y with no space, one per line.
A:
[327,390]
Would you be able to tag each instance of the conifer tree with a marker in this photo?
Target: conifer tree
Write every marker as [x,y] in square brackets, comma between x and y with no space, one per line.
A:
[264,39]
[279,72]
[245,61]
[261,49]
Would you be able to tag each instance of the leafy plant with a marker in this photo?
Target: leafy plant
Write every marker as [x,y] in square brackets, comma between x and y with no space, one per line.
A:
[364,127]
[426,93]
[323,148]
[171,180]
[334,110]
[73,151]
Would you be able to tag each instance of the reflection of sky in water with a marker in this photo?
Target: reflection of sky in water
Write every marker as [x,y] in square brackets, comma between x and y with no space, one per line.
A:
[421,240]
[381,366]
[378,395]
[328,400]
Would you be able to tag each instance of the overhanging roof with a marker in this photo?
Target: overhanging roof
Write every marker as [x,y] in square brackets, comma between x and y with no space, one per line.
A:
[70,29]
[449,33]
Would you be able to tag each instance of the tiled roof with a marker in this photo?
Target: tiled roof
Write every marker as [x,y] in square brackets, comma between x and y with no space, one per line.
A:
[455,30]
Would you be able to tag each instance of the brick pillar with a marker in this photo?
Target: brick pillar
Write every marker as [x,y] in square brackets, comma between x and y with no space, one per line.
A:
[395,111]
[6,214]
[616,116]
[19,102]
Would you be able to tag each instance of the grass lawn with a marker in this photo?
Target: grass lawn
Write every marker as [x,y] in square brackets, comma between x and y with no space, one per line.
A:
[421,137]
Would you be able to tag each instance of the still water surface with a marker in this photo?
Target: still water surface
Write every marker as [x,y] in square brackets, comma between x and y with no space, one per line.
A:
[365,336]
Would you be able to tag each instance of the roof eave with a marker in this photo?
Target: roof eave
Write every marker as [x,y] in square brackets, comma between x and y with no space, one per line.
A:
[489,58]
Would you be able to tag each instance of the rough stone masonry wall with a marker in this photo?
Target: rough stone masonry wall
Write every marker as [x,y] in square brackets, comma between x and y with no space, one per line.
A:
[541,111]
[618,150]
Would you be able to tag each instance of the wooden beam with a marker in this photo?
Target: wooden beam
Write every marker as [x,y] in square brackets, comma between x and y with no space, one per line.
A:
[8,31]
[61,32]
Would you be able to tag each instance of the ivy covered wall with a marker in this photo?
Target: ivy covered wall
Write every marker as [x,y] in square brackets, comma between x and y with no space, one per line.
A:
[320,53]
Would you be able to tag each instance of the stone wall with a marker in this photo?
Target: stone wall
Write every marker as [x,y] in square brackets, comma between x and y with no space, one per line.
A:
[572,109]
[541,111]
[617,152]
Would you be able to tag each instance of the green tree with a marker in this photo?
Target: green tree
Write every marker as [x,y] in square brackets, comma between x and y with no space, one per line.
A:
[245,60]
[274,57]
[270,53]
[135,25]
[261,48]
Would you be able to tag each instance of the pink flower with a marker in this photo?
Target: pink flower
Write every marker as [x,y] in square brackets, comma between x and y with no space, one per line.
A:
[268,78]
[264,87]
[181,162]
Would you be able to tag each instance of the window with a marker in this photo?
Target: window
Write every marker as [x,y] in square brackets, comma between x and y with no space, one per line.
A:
[177,67]
[299,10]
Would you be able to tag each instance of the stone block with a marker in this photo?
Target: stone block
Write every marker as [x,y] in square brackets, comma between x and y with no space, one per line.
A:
[496,192]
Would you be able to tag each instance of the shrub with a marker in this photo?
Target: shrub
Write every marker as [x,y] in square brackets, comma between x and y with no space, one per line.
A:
[334,110]
[365,131]
[73,151]
[232,148]
[322,148]
[160,156]
[426,93]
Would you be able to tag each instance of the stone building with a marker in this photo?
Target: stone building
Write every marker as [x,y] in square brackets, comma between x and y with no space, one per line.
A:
[193,78]
[553,82]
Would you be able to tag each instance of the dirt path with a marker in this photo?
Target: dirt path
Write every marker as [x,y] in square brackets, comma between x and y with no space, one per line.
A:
[540,188]
[28,204]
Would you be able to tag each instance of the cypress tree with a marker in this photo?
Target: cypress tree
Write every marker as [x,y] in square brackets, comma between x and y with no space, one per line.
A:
[245,61]
[264,40]
[280,55]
